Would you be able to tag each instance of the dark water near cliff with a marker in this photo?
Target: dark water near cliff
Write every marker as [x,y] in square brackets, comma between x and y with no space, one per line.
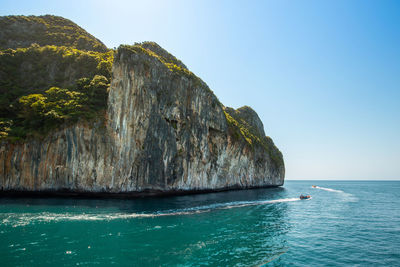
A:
[345,223]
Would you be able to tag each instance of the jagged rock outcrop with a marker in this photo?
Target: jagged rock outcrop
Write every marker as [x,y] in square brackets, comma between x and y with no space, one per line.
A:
[164,129]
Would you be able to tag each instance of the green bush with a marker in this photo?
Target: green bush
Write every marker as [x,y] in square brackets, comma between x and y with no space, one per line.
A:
[96,90]
[5,127]
[47,110]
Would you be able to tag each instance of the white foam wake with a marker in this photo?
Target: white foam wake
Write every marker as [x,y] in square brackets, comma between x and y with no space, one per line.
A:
[346,196]
[238,204]
[21,219]
[329,189]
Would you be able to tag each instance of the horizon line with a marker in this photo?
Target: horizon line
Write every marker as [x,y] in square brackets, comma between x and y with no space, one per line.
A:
[342,180]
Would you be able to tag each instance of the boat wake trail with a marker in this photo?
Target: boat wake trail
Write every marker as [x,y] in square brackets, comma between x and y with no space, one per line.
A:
[22,219]
[346,196]
[329,189]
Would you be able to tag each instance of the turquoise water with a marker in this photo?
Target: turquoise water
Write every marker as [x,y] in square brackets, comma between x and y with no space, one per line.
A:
[345,223]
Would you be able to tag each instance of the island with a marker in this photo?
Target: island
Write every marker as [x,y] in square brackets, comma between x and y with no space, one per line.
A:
[78,117]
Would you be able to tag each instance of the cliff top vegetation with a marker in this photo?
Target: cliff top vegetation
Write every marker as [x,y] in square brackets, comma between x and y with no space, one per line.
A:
[22,31]
[153,50]
[243,123]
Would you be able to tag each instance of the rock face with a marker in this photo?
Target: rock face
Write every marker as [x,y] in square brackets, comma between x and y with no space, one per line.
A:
[163,130]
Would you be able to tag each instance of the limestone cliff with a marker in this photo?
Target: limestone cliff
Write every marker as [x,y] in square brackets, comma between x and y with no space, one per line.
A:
[164,130]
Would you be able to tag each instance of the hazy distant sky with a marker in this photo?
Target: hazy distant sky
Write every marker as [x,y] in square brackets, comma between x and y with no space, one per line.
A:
[324,76]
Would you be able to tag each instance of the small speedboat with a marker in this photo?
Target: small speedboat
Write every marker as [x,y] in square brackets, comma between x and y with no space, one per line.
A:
[314,186]
[305,196]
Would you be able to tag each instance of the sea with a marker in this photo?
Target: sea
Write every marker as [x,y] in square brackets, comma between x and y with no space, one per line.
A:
[345,223]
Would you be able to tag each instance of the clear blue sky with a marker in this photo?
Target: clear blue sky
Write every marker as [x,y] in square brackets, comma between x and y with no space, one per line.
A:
[324,76]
